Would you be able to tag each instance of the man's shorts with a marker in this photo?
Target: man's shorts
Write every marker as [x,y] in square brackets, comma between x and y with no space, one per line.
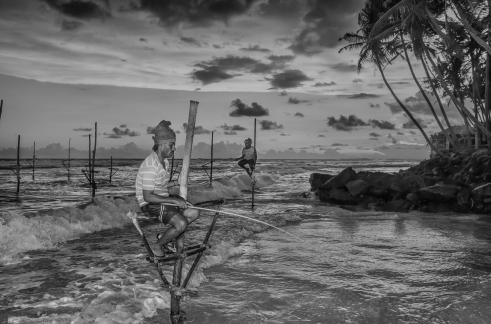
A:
[162,212]
[250,162]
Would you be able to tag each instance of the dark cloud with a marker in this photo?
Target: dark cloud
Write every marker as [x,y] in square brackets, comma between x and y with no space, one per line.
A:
[255,48]
[79,8]
[321,135]
[233,127]
[241,109]
[70,25]
[231,132]
[190,40]
[345,123]
[324,84]
[280,60]
[382,124]
[295,101]
[357,80]
[283,93]
[143,39]
[123,126]
[210,75]
[284,134]
[83,129]
[338,144]
[344,67]
[288,79]
[198,13]
[325,22]
[374,134]
[374,105]
[418,105]
[284,9]
[298,114]
[198,130]
[362,95]
[270,125]
[216,69]
[118,132]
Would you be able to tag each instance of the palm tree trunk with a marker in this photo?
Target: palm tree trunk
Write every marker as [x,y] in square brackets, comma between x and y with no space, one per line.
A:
[440,104]
[427,139]
[419,85]
[488,84]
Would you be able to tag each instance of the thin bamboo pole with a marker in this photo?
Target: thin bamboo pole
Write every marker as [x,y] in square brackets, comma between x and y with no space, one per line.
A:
[253,180]
[68,169]
[1,108]
[17,172]
[89,170]
[33,160]
[175,314]
[93,184]
[211,159]
[111,171]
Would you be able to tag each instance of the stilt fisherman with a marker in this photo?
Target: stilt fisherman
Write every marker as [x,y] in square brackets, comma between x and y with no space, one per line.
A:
[152,190]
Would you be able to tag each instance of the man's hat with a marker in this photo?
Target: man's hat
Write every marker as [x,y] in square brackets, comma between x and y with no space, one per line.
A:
[163,132]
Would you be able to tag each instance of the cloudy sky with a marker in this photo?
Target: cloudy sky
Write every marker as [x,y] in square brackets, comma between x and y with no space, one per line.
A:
[68,63]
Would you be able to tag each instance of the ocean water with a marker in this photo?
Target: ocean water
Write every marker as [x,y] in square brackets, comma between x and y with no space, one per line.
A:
[63,264]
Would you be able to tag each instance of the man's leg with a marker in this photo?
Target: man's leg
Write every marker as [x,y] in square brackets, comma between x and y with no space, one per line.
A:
[178,225]
[242,164]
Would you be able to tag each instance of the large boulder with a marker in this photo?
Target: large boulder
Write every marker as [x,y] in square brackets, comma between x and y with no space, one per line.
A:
[340,180]
[341,196]
[357,187]
[378,182]
[317,179]
[439,192]
[402,185]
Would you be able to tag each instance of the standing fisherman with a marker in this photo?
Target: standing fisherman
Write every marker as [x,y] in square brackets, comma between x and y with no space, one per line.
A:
[152,190]
[249,157]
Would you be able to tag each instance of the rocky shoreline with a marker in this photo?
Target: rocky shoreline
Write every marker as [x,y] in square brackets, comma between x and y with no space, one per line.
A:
[460,182]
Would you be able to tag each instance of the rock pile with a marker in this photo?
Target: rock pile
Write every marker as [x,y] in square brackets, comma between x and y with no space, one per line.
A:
[459,182]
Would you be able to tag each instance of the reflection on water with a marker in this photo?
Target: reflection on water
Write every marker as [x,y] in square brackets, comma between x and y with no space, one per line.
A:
[349,267]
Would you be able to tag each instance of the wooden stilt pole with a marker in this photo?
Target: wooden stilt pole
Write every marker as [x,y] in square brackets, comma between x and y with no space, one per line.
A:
[17,171]
[111,171]
[175,314]
[171,167]
[1,108]
[253,179]
[68,169]
[211,159]
[89,170]
[93,162]
[33,160]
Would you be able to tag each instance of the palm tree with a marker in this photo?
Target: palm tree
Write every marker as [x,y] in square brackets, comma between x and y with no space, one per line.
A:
[381,50]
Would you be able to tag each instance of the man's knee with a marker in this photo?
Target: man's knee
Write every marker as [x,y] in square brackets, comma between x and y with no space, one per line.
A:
[179,222]
[191,214]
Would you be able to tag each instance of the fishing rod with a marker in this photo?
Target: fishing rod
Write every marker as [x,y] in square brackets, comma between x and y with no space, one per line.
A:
[236,215]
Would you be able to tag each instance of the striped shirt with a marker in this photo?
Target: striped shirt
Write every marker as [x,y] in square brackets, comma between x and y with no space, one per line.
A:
[153,176]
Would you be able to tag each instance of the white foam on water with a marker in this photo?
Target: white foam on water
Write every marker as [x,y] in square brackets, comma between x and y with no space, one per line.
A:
[19,233]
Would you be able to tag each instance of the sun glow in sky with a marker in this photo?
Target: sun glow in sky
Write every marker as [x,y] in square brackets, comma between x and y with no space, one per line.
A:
[281,55]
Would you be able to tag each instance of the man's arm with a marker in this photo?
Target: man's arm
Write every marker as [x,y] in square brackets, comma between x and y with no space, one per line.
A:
[151,197]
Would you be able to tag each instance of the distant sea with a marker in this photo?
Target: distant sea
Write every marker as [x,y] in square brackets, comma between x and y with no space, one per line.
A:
[60,263]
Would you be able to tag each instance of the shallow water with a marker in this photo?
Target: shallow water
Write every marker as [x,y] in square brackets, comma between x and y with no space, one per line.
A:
[87,266]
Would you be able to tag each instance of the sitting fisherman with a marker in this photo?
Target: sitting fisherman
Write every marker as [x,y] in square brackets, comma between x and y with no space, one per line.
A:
[152,190]
[249,157]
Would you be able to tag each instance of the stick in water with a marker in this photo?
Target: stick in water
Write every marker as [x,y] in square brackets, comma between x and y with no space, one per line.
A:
[240,216]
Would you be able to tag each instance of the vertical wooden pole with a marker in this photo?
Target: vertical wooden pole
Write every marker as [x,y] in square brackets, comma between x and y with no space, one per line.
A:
[93,162]
[33,160]
[211,159]
[171,167]
[175,313]
[1,108]
[253,179]
[111,171]
[18,166]
[68,170]
[89,171]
